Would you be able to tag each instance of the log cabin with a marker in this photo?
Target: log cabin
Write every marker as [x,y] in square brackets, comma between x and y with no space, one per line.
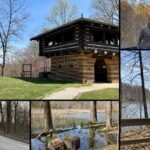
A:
[83,50]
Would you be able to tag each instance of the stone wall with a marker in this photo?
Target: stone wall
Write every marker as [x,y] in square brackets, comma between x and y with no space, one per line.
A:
[80,68]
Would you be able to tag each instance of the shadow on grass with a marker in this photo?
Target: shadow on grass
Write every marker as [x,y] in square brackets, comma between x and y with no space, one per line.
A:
[43,81]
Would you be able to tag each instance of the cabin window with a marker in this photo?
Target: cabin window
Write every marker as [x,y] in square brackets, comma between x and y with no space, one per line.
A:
[68,36]
[103,37]
[110,39]
[97,36]
[57,39]
[49,42]
[60,66]
[63,37]
[71,65]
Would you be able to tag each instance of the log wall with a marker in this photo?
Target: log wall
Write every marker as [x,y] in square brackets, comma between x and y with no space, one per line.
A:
[80,68]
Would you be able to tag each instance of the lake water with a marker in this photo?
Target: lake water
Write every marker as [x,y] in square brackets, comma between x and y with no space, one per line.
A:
[134,110]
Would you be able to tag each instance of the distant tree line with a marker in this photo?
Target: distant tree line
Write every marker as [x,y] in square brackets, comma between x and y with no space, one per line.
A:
[133,92]
[72,105]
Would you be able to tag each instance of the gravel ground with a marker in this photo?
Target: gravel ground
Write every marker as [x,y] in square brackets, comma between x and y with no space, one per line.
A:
[10,144]
[73,92]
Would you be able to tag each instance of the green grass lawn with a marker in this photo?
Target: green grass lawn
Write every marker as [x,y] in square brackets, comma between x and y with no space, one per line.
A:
[30,88]
[110,93]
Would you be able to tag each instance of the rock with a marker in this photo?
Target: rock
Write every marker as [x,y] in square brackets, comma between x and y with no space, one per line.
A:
[56,144]
[72,143]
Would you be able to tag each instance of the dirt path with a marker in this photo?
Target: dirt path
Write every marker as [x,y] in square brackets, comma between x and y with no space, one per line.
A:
[10,144]
[73,92]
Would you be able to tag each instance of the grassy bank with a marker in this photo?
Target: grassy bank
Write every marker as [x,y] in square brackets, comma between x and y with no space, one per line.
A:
[29,88]
[110,93]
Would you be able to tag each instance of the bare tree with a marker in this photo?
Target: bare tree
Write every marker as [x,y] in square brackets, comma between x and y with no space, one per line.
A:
[106,10]
[134,76]
[109,115]
[48,116]
[13,15]
[15,119]
[15,113]
[31,51]
[94,111]
[62,12]
[8,116]
[2,116]
[143,85]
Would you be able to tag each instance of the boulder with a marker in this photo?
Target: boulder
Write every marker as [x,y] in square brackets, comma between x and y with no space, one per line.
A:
[72,143]
[56,144]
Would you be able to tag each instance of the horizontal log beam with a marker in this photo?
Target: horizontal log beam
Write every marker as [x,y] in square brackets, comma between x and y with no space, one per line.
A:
[135,122]
[135,141]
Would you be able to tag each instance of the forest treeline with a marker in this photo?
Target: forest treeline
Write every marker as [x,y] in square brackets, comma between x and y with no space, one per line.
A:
[133,92]
[15,119]
[133,17]
[73,105]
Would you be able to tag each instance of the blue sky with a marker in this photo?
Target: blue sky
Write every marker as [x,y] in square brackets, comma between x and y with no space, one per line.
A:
[39,9]
[126,68]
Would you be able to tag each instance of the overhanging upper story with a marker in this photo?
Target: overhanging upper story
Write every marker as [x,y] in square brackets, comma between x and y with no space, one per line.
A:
[81,35]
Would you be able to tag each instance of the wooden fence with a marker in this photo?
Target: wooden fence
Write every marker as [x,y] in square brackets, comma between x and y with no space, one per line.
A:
[135,122]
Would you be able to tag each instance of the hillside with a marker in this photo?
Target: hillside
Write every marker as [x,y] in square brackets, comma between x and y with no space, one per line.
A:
[133,92]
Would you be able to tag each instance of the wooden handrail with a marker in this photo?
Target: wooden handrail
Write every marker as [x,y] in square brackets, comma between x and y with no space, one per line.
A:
[134,141]
[134,122]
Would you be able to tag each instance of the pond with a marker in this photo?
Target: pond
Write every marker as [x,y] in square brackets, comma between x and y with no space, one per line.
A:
[89,138]
[100,116]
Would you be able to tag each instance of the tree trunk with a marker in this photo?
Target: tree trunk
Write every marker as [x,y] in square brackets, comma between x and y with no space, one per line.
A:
[2,117]
[143,85]
[109,116]
[94,111]
[15,115]
[4,61]
[8,116]
[48,116]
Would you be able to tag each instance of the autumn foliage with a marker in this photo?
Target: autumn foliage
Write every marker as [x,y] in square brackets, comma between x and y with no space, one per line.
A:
[133,17]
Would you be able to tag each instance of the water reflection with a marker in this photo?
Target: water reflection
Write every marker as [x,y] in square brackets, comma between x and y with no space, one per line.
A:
[90,138]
